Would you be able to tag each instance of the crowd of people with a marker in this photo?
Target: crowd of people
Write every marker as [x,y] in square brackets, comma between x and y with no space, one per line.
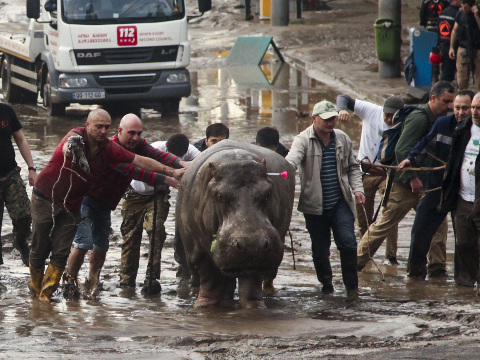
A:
[88,175]
[434,171]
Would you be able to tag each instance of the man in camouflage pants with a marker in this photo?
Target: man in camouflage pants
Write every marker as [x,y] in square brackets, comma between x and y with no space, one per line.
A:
[13,193]
[138,211]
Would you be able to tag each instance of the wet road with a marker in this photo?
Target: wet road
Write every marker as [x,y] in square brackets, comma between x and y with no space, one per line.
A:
[298,322]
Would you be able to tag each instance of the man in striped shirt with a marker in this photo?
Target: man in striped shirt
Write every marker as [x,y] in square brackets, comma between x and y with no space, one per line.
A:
[330,180]
[104,196]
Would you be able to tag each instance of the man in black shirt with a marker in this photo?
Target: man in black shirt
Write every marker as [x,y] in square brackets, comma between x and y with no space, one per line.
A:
[430,11]
[446,22]
[268,137]
[13,193]
[466,36]
[214,133]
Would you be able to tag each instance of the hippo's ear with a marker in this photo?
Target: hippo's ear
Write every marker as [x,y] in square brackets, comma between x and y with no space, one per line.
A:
[213,166]
[264,162]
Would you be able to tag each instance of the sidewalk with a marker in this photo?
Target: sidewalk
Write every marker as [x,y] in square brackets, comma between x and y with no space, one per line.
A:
[336,47]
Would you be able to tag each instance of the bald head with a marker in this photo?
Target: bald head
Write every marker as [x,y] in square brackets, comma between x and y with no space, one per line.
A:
[97,125]
[130,131]
[476,109]
[129,120]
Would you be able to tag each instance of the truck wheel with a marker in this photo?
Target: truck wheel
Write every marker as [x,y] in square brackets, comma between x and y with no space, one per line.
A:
[29,97]
[170,106]
[53,109]
[11,93]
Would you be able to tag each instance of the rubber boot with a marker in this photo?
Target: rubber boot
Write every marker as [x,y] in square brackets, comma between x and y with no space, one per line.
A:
[36,278]
[348,260]
[152,287]
[50,283]
[416,270]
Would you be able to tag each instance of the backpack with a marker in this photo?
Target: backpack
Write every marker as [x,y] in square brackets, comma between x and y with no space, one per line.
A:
[410,69]
[386,151]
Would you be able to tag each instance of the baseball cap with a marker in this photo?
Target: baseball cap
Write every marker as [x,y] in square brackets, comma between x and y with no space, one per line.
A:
[325,109]
[393,104]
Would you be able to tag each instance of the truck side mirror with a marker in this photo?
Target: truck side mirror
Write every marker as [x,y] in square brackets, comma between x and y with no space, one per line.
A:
[33,9]
[204,5]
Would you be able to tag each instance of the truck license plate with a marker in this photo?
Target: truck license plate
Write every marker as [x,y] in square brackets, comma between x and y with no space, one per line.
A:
[86,95]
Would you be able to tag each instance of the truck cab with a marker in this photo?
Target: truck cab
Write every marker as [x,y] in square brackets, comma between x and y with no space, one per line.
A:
[100,52]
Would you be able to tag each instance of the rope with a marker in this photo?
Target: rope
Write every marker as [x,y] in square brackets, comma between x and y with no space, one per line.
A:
[293,250]
[69,188]
[436,158]
[53,194]
[425,168]
[368,238]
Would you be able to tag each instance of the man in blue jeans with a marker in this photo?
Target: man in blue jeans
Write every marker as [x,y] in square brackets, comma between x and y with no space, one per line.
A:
[331,179]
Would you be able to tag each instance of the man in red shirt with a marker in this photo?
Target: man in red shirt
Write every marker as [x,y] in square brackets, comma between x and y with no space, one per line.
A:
[80,158]
[103,197]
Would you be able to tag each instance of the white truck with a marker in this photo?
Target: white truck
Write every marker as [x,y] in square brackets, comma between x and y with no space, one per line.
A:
[99,52]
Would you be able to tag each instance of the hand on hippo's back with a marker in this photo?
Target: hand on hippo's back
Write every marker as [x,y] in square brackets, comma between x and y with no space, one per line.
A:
[170,181]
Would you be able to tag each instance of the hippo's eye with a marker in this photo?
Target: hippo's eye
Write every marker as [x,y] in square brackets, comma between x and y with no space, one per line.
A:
[218,196]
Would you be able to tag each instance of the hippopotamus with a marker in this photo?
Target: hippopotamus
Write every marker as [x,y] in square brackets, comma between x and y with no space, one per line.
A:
[233,218]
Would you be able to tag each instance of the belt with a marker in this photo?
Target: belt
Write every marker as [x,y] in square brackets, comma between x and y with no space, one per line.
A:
[39,194]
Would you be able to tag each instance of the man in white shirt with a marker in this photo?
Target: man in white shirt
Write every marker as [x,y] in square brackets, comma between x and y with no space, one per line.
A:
[460,186]
[375,119]
[138,212]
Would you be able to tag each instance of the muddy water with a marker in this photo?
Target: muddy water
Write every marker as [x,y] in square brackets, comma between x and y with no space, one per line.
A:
[297,322]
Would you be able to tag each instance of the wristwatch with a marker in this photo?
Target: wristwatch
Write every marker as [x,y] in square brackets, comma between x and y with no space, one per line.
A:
[34,168]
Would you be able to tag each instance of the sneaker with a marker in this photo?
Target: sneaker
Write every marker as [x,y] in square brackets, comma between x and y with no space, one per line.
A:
[352,295]
[391,261]
[327,289]
[439,273]
[126,281]
[70,287]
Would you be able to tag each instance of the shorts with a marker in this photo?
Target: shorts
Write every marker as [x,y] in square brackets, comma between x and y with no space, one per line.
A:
[94,231]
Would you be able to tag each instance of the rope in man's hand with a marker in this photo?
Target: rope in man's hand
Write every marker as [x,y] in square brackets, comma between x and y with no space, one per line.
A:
[368,238]
[424,168]
[76,150]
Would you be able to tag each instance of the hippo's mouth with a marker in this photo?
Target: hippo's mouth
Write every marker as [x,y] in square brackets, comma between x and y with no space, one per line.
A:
[248,272]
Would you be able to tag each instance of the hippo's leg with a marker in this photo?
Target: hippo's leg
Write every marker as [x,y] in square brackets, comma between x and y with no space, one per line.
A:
[215,290]
[250,292]
[215,287]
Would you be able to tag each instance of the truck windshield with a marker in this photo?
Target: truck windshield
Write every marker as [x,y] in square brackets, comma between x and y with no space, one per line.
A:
[121,11]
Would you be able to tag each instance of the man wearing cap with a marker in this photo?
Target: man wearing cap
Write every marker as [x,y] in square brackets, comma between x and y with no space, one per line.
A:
[407,187]
[330,179]
[375,120]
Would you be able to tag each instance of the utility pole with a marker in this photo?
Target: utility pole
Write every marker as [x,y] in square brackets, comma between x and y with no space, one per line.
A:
[280,13]
[390,9]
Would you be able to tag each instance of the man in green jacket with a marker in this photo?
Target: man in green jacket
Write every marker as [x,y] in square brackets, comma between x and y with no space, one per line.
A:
[407,188]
